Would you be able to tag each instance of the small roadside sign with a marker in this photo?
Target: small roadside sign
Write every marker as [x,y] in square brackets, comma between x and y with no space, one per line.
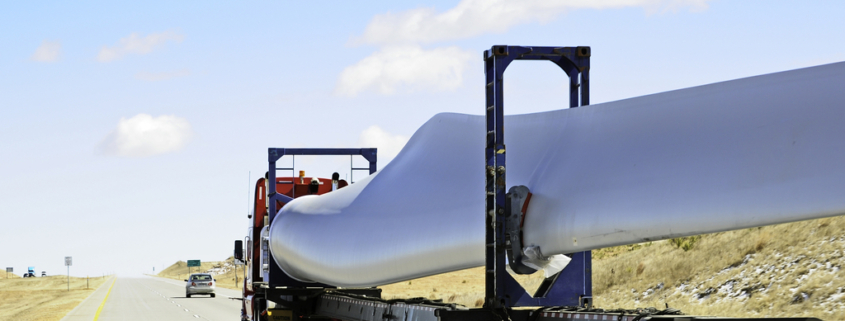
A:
[68,263]
[10,270]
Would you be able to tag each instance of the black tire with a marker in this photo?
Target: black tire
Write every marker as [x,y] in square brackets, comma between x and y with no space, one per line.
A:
[188,295]
[213,295]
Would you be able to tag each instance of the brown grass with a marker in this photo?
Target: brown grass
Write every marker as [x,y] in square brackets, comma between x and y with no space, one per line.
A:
[43,298]
[752,273]
[787,270]
[464,287]
[757,272]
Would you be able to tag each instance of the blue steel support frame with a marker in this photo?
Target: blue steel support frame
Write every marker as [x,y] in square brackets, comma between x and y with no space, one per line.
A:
[277,276]
[573,285]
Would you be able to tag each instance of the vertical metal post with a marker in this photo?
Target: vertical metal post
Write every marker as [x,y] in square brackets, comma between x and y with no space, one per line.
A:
[271,190]
[573,90]
[501,291]
[373,163]
[293,178]
[489,174]
[68,278]
[585,86]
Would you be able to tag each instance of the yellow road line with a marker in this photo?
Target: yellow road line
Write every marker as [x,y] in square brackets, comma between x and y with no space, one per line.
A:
[100,309]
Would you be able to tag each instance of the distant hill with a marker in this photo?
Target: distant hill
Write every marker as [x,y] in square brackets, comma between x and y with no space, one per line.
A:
[223,271]
[181,268]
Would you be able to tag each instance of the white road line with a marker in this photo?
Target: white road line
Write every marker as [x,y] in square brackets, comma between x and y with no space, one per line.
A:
[196,316]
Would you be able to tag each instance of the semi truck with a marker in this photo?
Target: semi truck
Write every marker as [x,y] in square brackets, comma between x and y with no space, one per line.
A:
[271,294]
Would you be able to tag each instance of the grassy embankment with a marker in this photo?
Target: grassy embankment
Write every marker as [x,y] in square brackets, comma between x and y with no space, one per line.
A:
[43,298]
[773,271]
[783,270]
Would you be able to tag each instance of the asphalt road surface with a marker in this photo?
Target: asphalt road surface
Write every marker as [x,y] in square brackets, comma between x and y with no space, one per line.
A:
[151,298]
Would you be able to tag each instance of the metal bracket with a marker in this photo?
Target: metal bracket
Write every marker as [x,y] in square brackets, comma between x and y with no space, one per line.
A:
[515,206]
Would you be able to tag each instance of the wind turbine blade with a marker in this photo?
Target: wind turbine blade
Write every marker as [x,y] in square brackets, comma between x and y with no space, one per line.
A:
[750,152]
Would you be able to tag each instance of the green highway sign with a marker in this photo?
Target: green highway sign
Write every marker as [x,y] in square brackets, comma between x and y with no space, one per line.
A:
[193,263]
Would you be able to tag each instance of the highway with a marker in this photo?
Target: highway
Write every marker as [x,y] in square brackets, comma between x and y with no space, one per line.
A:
[152,298]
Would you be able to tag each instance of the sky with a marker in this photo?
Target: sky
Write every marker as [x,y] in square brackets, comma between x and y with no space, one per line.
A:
[131,133]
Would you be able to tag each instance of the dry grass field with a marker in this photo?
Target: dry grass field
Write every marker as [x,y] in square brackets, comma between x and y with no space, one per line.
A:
[42,298]
[783,270]
[465,287]
[775,271]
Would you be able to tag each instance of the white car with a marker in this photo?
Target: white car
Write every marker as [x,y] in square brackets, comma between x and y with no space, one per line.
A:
[199,283]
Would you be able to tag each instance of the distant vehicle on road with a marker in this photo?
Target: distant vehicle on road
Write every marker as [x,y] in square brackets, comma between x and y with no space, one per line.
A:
[199,283]
[30,273]
[43,273]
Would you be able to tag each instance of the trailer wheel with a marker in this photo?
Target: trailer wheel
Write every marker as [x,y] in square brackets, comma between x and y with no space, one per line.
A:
[213,295]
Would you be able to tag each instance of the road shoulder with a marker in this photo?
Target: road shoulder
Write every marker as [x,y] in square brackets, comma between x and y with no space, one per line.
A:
[87,309]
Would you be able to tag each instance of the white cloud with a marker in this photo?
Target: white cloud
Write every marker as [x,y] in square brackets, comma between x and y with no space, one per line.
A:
[159,76]
[475,17]
[144,135]
[407,67]
[48,51]
[388,144]
[135,44]
[402,64]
